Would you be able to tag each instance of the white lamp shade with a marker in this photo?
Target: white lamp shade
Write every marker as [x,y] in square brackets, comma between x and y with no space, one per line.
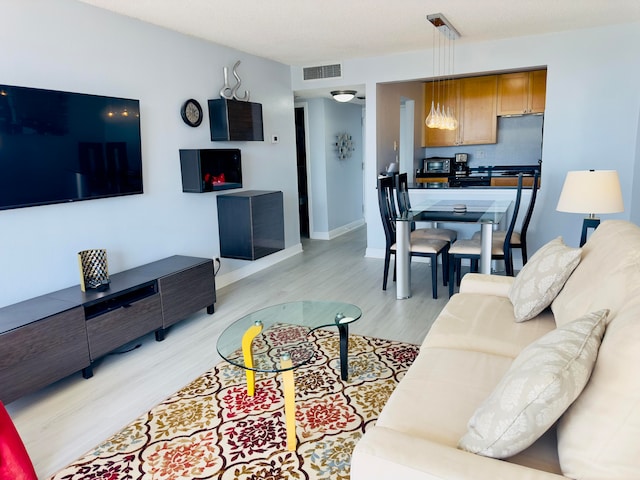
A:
[591,192]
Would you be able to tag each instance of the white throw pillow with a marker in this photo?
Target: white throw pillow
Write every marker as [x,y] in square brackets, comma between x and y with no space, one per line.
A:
[543,381]
[542,278]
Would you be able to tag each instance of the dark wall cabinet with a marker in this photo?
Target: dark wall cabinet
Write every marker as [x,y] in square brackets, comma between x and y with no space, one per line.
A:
[251,224]
[47,338]
[235,120]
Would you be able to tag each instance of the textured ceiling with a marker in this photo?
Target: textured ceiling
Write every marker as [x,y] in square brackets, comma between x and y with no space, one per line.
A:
[306,32]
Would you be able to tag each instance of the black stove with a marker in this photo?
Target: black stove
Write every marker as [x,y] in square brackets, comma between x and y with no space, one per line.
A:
[470,181]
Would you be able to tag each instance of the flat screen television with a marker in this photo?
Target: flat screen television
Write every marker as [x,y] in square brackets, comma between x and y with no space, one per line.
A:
[60,147]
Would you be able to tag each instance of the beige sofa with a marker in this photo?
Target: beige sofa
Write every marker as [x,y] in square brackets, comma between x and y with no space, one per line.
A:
[473,343]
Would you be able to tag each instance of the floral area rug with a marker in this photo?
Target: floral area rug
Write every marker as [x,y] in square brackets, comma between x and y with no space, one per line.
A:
[211,429]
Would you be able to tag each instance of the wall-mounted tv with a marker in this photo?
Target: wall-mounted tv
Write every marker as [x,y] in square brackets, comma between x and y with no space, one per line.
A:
[62,147]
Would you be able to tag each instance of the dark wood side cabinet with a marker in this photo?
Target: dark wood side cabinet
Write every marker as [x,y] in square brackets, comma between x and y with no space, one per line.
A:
[47,338]
[235,120]
[49,344]
[251,224]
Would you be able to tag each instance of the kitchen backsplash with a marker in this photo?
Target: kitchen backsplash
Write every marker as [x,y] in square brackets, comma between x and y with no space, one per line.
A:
[519,143]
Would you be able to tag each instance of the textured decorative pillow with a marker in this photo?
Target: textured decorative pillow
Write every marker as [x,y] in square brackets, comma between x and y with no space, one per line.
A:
[542,278]
[540,385]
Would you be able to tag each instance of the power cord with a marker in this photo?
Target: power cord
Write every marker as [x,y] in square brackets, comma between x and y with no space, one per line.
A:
[216,270]
[125,350]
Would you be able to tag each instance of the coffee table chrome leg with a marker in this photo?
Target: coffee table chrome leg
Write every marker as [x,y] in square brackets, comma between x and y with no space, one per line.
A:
[289,400]
[247,339]
[344,350]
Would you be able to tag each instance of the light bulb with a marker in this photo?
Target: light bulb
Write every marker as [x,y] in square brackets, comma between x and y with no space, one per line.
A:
[430,121]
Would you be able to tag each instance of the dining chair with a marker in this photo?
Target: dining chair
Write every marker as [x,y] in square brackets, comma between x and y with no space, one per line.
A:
[470,249]
[419,247]
[519,238]
[404,205]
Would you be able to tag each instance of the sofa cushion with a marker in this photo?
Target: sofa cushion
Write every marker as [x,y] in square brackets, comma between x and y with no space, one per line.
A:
[599,436]
[608,275]
[383,453]
[540,280]
[542,382]
[440,391]
[485,323]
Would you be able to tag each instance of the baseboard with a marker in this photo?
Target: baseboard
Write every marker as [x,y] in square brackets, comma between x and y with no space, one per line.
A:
[257,265]
[330,235]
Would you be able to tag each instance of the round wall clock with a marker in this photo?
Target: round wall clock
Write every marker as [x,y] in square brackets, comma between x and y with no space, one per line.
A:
[191,113]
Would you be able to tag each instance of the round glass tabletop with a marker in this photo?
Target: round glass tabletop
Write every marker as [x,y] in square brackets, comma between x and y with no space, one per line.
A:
[282,330]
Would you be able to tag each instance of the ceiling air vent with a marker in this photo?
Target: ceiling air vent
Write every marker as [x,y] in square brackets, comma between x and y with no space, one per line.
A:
[322,71]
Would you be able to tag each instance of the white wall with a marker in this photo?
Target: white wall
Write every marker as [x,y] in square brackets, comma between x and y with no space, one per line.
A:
[590,73]
[336,185]
[70,46]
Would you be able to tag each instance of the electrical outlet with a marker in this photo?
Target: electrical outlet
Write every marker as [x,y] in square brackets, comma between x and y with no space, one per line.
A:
[275,139]
[481,154]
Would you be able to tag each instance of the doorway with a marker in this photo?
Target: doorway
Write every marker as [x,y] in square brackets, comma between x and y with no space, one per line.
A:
[301,159]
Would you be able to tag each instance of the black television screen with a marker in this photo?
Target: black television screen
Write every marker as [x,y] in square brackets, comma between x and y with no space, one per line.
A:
[61,147]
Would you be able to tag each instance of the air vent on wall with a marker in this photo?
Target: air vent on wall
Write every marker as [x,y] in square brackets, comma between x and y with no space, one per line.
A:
[322,71]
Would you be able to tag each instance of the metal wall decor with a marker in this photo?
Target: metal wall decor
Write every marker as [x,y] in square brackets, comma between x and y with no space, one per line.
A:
[229,92]
[344,146]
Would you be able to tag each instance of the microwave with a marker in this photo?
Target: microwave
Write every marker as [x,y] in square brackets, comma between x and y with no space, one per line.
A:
[437,165]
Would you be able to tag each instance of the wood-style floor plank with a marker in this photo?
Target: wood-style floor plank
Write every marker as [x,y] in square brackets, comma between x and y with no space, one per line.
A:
[65,420]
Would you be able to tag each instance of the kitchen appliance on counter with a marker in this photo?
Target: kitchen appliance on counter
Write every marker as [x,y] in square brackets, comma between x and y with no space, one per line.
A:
[437,167]
[461,166]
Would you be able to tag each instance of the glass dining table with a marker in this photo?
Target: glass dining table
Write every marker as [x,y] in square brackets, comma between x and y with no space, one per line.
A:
[486,213]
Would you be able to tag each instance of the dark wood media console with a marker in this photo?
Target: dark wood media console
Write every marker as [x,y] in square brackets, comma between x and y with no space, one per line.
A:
[47,338]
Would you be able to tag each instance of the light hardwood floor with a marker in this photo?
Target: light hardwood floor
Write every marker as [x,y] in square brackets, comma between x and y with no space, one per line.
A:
[65,420]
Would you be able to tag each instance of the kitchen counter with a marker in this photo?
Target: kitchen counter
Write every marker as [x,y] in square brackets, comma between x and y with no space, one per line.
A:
[495,176]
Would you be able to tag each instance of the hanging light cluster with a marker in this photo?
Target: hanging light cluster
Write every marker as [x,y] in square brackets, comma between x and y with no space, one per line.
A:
[442,115]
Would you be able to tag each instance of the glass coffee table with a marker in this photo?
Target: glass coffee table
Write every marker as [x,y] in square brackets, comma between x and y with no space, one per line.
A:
[276,339]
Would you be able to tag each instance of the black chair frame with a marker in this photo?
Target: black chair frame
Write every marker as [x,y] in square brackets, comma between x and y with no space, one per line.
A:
[455,259]
[388,215]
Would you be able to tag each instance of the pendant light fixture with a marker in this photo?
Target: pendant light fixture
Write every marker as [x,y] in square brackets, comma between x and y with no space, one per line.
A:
[343,96]
[442,115]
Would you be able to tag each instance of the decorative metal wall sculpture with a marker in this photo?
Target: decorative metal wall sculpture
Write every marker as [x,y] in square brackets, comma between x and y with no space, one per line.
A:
[229,92]
[344,146]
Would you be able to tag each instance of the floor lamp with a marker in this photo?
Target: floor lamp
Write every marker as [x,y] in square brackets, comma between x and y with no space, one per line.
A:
[591,192]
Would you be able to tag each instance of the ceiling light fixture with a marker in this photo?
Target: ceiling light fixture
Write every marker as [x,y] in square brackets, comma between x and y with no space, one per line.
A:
[343,95]
[442,117]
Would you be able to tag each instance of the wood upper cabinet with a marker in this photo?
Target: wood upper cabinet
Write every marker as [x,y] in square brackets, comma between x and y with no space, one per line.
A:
[479,123]
[473,102]
[522,92]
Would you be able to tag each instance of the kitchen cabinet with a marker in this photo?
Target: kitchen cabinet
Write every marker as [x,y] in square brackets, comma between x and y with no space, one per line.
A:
[473,101]
[522,92]
[479,123]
